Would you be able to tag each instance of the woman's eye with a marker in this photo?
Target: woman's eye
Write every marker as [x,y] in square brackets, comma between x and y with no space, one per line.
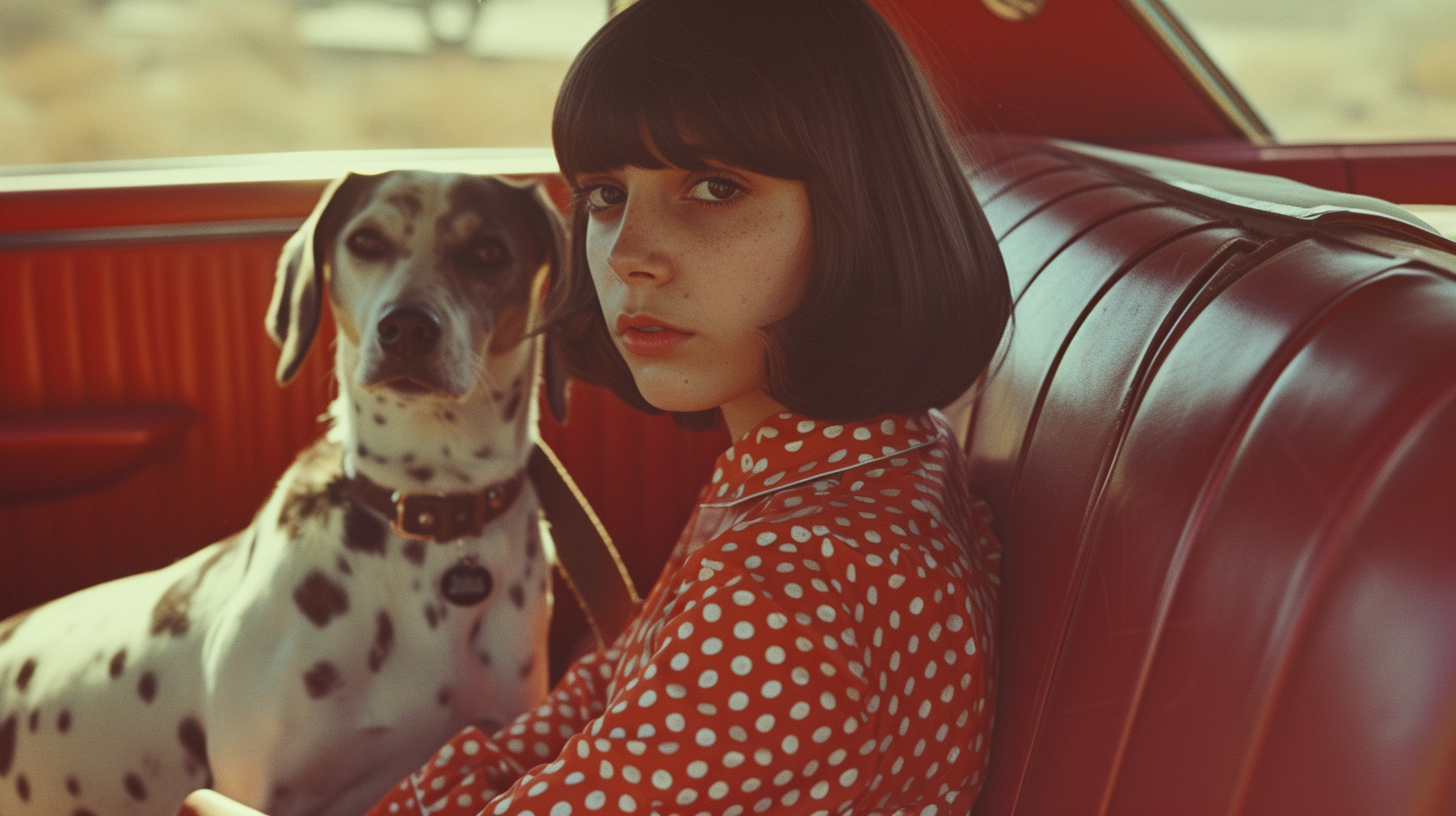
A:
[367,243]
[716,190]
[603,196]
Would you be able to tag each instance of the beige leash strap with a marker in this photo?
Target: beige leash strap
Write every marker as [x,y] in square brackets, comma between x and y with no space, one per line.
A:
[584,552]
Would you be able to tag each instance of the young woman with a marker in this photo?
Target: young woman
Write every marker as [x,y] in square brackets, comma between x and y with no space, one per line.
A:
[771,227]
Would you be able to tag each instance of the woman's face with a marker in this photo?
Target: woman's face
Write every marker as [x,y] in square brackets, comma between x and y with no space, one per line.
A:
[688,266]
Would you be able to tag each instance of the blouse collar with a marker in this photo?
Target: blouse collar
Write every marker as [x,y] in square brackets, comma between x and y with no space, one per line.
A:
[789,449]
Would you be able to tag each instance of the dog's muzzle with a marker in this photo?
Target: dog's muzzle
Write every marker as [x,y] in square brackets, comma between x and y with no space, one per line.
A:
[409,343]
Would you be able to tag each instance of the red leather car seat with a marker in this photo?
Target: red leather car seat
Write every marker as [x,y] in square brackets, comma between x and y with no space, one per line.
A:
[1220,447]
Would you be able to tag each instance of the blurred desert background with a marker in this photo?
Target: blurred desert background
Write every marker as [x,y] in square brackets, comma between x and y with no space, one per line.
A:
[96,80]
[1337,70]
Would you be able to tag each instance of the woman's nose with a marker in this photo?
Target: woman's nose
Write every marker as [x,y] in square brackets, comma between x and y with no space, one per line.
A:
[639,253]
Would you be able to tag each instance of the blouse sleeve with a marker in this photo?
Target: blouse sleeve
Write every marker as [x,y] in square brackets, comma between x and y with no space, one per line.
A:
[474,767]
[737,700]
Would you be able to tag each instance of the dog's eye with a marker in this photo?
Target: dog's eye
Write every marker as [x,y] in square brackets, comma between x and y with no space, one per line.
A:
[488,254]
[368,243]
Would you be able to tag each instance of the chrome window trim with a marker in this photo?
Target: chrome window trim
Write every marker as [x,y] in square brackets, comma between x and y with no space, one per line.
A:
[149,233]
[1170,33]
[272,167]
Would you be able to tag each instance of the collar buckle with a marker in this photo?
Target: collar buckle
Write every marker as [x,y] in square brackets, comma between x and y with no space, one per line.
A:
[431,517]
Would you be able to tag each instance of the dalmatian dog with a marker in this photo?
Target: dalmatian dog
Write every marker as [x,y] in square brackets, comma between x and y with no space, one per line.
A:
[394,588]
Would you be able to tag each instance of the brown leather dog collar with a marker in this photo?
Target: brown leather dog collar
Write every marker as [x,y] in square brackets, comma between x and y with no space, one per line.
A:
[436,517]
[584,553]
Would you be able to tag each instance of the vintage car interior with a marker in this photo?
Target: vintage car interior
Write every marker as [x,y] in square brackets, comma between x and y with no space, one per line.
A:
[1219,443]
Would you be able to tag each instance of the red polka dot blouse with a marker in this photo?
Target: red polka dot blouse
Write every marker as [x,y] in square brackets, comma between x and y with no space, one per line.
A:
[820,641]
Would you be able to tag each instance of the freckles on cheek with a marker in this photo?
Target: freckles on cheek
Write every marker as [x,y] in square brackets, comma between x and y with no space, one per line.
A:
[601,274]
[596,257]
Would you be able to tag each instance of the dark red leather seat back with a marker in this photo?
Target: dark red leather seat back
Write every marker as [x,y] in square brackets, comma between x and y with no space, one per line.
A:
[1221,448]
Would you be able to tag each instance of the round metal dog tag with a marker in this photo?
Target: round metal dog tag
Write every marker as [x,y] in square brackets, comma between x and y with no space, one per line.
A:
[466,584]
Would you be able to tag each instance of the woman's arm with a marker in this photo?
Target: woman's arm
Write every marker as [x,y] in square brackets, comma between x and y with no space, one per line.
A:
[474,766]
[740,699]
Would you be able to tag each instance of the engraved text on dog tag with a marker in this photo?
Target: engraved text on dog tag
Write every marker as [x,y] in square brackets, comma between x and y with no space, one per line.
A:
[466,584]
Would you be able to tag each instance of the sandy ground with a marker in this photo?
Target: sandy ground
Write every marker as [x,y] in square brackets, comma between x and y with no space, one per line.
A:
[88,80]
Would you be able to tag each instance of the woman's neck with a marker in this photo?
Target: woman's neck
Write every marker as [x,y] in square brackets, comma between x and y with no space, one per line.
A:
[746,412]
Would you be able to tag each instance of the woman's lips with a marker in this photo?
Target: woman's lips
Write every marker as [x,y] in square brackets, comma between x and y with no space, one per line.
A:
[648,337]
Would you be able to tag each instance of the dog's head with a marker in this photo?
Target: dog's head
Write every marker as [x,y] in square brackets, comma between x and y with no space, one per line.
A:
[428,275]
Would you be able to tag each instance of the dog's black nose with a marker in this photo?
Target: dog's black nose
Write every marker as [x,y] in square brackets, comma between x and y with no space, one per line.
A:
[409,332]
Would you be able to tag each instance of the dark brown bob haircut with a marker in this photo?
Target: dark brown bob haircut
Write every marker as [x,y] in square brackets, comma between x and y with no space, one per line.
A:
[907,295]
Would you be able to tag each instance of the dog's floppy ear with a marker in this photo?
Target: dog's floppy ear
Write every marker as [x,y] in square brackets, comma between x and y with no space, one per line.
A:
[298,285]
[551,236]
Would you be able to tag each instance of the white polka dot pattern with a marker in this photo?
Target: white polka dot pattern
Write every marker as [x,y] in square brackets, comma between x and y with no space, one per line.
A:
[819,642]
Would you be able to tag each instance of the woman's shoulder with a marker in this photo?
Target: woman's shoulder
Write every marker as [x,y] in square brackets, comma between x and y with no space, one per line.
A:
[844,526]
[848,552]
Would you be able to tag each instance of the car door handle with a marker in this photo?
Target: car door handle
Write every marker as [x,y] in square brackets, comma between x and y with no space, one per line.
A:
[48,456]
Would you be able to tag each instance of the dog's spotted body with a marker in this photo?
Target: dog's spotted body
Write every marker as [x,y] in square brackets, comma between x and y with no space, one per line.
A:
[310,661]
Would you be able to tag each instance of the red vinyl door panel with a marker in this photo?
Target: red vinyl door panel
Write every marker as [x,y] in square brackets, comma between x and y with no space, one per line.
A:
[95,334]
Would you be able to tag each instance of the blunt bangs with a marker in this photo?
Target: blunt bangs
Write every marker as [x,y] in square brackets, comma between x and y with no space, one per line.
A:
[650,90]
